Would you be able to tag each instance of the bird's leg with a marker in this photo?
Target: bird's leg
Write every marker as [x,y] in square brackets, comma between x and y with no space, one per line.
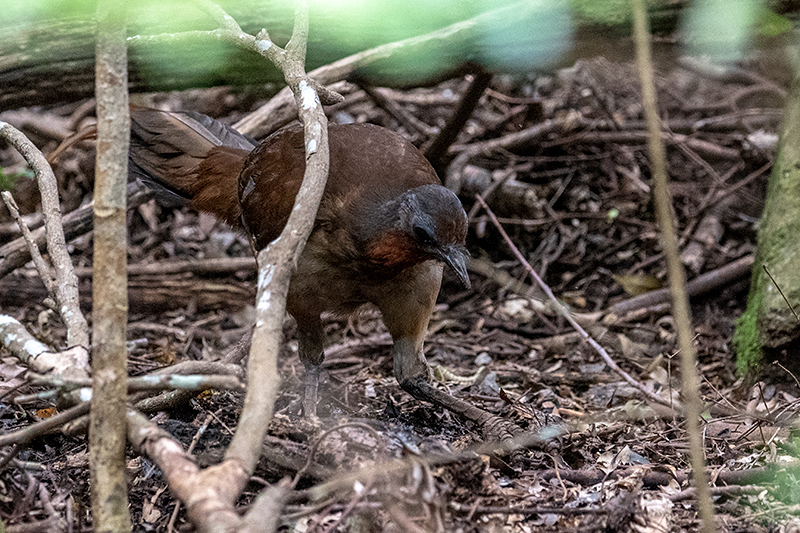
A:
[406,313]
[493,426]
[413,375]
[406,310]
[310,338]
[312,386]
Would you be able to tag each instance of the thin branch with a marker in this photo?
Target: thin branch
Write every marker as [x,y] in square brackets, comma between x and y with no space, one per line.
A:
[677,277]
[785,299]
[209,495]
[276,262]
[194,382]
[27,434]
[278,112]
[453,176]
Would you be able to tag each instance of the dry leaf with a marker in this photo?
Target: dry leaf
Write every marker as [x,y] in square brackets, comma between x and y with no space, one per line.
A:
[637,284]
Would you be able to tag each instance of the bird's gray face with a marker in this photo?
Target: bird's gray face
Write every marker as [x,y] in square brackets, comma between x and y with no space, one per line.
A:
[439,226]
[452,254]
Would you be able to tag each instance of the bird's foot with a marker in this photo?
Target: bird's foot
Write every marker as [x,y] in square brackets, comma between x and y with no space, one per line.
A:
[312,386]
[509,435]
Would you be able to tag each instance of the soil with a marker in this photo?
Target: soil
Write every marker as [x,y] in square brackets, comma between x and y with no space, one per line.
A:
[576,202]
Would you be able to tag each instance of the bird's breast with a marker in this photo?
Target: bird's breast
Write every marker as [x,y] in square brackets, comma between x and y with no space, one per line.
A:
[393,251]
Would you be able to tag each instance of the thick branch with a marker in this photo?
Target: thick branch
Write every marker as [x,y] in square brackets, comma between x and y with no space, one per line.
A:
[276,262]
[67,283]
[107,426]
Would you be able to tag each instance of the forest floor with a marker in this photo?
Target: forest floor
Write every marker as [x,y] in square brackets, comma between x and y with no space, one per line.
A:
[575,199]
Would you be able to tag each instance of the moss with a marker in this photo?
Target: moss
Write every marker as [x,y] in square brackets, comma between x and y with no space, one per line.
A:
[746,342]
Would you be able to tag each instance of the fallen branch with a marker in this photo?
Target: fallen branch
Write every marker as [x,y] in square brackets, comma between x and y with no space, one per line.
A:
[76,223]
[27,434]
[146,294]
[704,283]
[38,357]
[193,382]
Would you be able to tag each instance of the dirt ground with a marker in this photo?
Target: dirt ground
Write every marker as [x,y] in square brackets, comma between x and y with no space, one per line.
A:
[575,200]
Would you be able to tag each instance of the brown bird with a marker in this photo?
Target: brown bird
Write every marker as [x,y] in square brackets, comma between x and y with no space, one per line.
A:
[384,229]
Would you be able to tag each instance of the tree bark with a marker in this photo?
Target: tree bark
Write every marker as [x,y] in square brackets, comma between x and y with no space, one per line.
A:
[770,324]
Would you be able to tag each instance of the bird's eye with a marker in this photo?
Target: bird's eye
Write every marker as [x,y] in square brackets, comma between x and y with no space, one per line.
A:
[423,235]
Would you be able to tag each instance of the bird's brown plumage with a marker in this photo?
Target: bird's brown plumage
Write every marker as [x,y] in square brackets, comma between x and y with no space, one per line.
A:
[384,226]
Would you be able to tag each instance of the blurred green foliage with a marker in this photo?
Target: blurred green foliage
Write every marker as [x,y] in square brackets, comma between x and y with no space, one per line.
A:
[507,35]
[21,11]
[721,29]
[771,24]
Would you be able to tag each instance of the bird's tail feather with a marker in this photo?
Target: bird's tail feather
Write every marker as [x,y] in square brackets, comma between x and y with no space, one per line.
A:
[191,156]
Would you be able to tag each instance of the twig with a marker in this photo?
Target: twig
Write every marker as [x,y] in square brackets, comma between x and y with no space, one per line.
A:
[677,276]
[557,305]
[27,434]
[312,450]
[342,516]
[10,230]
[537,509]
[528,135]
[277,113]
[779,365]
[400,114]
[10,455]
[732,490]
[706,148]
[393,468]
[198,434]
[38,260]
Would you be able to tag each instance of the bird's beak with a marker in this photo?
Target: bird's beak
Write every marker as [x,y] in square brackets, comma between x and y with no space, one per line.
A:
[456,258]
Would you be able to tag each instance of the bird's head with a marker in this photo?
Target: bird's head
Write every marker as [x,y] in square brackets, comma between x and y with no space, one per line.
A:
[434,219]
